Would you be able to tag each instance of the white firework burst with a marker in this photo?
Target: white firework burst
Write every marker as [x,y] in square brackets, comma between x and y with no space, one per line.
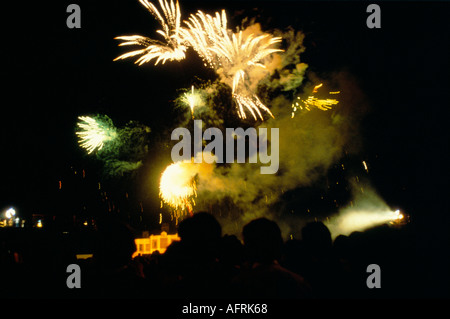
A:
[172,49]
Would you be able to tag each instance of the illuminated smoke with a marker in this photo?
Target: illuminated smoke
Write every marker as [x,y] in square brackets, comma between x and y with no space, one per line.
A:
[367,209]
[309,145]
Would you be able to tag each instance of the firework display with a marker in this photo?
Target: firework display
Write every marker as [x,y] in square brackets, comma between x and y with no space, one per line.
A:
[240,59]
[184,150]
[233,55]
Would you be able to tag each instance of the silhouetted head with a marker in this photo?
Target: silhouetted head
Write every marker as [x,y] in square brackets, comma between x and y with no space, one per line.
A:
[341,246]
[231,250]
[317,236]
[262,240]
[115,244]
[201,228]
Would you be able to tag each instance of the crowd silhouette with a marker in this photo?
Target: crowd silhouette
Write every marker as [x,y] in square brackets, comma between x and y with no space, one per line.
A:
[208,264]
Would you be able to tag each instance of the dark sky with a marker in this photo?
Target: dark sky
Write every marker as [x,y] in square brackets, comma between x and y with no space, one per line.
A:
[52,74]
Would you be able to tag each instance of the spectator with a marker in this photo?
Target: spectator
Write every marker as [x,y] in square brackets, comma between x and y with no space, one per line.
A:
[264,277]
[114,274]
[319,267]
[190,266]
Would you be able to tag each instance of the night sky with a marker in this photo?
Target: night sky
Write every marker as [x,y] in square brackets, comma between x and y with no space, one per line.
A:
[52,74]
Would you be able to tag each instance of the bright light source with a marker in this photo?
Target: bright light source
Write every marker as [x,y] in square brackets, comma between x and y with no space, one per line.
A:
[396,215]
[39,224]
[10,213]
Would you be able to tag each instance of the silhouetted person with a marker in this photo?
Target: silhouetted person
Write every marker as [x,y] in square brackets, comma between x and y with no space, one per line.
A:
[264,277]
[317,236]
[320,268]
[190,266]
[114,274]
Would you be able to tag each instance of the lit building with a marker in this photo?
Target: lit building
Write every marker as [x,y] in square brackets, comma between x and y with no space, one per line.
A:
[146,246]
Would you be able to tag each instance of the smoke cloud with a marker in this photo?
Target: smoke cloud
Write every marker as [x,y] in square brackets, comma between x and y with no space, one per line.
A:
[309,144]
[366,209]
[125,153]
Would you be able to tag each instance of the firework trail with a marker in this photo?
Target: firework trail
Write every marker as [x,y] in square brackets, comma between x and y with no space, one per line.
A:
[172,49]
[232,55]
[94,132]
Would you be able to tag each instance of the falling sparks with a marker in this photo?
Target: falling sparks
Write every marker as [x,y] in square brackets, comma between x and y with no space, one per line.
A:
[232,55]
[323,105]
[94,132]
[312,101]
[251,104]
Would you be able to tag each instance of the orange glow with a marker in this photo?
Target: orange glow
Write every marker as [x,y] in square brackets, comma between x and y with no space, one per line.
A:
[317,87]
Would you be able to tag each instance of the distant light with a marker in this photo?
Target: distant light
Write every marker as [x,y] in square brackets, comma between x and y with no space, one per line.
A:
[39,224]
[10,213]
[84,256]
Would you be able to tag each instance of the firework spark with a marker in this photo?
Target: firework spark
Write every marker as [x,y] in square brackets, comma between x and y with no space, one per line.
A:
[203,31]
[177,186]
[312,101]
[94,132]
[193,99]
[173,47]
